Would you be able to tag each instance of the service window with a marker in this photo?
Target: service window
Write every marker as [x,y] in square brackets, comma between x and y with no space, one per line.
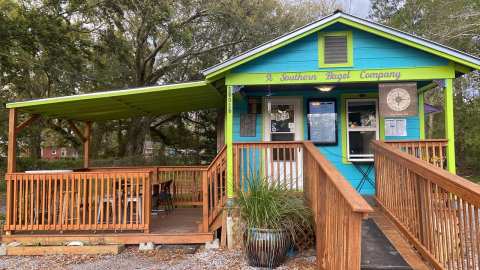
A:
[362,128]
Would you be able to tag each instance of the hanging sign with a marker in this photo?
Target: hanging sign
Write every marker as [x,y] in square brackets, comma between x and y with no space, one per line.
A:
[398,99]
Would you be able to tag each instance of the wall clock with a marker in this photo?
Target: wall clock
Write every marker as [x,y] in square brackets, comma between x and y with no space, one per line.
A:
[398,99]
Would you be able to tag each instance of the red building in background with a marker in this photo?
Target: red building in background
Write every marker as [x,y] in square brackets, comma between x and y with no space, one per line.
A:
[52,153]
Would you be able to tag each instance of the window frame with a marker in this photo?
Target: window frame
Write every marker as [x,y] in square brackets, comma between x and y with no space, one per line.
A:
[321,49]
[363,157]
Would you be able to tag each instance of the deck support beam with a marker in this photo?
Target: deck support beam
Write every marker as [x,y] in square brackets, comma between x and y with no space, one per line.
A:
[12,141]
[449,126]
[26,123]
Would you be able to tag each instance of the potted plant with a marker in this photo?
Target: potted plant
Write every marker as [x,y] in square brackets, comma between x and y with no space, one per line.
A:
[272,215]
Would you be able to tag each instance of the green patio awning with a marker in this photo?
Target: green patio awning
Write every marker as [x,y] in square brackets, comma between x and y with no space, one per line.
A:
[120,104]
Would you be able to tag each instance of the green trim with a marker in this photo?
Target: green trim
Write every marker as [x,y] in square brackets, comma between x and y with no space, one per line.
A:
[339,76]
[462,69]
[343,116]
[406,42]
[421,114]
[229,140]
[427,87]
[449,126]
[321,49]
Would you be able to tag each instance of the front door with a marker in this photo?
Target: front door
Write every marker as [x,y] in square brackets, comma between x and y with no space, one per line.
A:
[283,122]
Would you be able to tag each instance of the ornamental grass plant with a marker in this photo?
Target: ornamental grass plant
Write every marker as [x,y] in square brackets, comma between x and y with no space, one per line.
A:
[264,204]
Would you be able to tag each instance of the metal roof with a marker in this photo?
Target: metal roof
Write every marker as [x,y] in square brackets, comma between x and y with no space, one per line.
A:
[146,101]
[473,60]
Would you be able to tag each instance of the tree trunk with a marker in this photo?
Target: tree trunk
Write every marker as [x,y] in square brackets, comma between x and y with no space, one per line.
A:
[34,145]
[136,135]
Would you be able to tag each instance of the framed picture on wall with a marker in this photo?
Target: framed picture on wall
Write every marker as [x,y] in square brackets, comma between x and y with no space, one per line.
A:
[322,121]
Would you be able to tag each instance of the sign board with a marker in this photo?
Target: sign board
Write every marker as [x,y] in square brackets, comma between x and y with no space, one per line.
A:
[396,127]
[322,121]
[248,123]
[398,99]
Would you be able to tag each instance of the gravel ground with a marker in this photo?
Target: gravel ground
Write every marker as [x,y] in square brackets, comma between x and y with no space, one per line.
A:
[163,258]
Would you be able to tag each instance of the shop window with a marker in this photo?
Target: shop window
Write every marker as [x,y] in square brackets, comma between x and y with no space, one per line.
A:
[362,128]
[335,49]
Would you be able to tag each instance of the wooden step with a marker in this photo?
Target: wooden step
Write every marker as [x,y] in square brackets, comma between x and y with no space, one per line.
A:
[119,238]
[69,250]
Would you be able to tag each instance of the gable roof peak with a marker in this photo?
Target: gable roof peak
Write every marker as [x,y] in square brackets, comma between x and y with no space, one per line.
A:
[398,35]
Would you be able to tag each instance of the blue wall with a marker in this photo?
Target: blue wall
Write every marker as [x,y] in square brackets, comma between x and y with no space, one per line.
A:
[369,52]
[332,153]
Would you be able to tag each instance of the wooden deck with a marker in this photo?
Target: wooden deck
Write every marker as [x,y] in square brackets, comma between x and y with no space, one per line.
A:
[182,226]
[181,220]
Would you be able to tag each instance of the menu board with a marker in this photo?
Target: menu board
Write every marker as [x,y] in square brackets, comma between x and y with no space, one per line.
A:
[396,127]
[322,122]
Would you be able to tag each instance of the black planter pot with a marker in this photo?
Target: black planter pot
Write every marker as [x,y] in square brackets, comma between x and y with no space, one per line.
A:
[266,247]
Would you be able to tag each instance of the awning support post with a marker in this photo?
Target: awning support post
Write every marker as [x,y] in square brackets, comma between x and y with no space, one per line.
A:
[12,141]
[229,140]
[449,126]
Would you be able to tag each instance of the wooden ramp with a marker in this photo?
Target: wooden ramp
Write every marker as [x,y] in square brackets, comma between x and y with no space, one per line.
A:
[383,245]
[182,226]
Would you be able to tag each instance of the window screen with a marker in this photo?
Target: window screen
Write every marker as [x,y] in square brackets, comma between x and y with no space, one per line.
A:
[336,50]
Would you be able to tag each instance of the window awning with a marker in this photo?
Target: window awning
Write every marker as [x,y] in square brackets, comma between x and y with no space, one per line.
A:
[120,104]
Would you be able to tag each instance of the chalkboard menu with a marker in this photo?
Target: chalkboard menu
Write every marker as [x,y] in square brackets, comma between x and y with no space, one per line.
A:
[322,121]
[248,124]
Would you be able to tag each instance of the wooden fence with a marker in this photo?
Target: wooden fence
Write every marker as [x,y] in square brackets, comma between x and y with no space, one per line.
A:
[78,201]
[338,211]
[432,150]
[186,184]
[436,210]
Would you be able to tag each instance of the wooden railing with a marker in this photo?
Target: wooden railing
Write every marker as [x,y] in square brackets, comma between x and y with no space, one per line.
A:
[432,150]
[78,201]
[215,183]
[338,211]
[277,162]
[187,183]
[186,187]
[436,210]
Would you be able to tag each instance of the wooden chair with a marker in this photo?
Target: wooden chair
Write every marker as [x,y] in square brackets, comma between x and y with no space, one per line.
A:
[165,196]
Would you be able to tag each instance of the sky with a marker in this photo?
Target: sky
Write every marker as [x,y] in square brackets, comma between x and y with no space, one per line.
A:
[358,8]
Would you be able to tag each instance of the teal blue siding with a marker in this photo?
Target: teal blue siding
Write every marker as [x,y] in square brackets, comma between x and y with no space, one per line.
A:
[369,52]
[413,130]
[332,153]
[240,106]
